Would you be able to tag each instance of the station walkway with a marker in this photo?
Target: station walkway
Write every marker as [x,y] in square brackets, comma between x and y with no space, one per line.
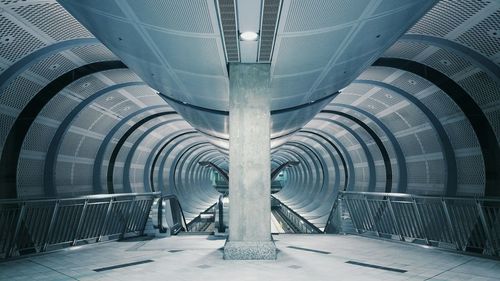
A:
[300,257]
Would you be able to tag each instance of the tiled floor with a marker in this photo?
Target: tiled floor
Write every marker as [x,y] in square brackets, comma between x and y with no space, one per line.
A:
[313,257]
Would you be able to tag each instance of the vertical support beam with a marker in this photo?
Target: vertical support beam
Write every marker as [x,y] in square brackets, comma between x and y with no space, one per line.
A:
[249,164]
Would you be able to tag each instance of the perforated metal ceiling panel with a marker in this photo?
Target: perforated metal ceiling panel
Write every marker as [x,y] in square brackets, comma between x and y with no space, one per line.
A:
[182,40]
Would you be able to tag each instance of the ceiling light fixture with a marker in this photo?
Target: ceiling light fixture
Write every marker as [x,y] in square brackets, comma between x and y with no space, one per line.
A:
[249,36]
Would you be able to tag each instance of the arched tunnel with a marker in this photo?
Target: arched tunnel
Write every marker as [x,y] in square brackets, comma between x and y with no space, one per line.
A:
[412,108]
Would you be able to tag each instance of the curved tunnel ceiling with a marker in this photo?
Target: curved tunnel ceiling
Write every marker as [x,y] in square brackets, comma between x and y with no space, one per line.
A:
[417,113]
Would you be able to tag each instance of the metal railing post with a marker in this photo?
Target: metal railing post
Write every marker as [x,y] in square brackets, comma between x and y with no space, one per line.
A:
[127,216]
[486,229]
[106,218]
[349,209]
[371,215]
[420,221]
[80,223]
[450,224]
[15,237]
[51,225]
[395,221]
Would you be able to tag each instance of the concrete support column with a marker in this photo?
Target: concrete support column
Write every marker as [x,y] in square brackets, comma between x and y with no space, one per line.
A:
[249,164]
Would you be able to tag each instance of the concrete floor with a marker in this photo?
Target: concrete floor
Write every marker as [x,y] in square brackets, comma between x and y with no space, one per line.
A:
[200,258]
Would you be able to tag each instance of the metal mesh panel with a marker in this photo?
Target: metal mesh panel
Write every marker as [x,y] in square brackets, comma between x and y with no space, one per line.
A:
[63,174]
[30,172]
[440,104]
[86,86]
[327,13]
[93,53]
[82,174]
[58,107]
[15,42]
[69,143]
[479,37]
[445,16]
[11,96]
[404,49]
[410,145]
[436,172]
[104,124]
[53,67]
[461,134]
[121,76]
[470,170]
[88,148]
[86,118]
[446,62]
[417,172]
[38,137]
[481,88]
[6,123]
[52,19]
[494,118]
[430,141]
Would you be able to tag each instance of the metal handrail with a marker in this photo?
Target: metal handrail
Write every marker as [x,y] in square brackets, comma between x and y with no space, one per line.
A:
[406,195]
[311,226]
[464,223]
[89,197]
[220,206]
[172,198]
[34,225]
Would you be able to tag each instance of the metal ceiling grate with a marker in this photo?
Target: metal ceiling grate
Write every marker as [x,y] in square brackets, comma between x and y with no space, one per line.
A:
[446,16]
[53,20]
[270,15]
[227,14]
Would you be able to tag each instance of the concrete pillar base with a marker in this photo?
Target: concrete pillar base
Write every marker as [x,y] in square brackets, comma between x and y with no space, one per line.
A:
[247,250]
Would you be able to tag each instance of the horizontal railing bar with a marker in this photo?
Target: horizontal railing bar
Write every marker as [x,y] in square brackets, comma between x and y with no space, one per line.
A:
[410,196]
[86,197]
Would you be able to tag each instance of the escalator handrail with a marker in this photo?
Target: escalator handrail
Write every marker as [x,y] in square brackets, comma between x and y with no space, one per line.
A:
[315,228]
[160,206]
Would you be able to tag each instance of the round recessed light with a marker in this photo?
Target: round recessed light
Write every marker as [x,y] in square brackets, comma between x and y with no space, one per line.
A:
[249,36]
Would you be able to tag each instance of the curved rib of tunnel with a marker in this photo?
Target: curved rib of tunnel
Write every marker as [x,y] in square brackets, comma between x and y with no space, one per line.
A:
[421,118]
